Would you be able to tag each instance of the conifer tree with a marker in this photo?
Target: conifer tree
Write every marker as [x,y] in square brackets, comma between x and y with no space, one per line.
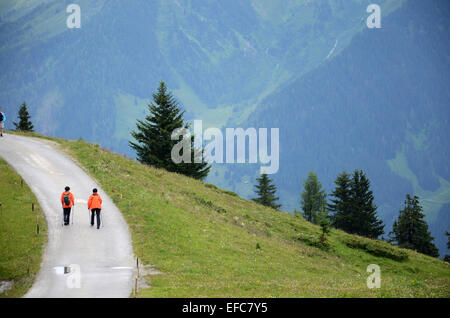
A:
[324,222]
[353,208]
[313,198]
[24,123]
[266,191]
[410,229]
[364,217]
[195,170]
[154,144]
[447,257]
[340,205]
[448,239]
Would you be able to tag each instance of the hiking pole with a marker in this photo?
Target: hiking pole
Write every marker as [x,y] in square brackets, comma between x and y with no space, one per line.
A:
[73,213]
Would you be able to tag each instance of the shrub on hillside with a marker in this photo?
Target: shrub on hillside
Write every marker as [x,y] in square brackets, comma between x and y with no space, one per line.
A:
[377,248]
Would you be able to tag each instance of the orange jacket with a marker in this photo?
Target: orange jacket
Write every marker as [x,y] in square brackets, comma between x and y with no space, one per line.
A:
[95,202]
[72,200]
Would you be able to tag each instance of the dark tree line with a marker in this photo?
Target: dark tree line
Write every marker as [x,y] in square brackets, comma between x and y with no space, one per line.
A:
[351,208]
[447,257]
[410,229]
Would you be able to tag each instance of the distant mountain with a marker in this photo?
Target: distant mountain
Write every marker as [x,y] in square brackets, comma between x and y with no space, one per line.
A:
[381,105]
[220,58]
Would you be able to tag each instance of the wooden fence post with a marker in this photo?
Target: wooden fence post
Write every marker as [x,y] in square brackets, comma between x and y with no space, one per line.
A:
[136,287]
[137,266]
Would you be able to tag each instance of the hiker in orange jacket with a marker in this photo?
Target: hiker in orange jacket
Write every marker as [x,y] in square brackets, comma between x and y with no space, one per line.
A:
[95,205]
[67,201]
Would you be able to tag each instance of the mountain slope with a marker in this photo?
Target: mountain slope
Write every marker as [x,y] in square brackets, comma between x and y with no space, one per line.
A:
[202,241]
[220,58]
[380,105]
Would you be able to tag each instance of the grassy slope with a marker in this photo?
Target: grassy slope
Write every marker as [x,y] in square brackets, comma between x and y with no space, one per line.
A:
[21,247]
[204,241]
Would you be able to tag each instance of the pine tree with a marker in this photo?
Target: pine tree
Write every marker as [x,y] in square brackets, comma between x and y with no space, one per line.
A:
[410,229]
[266,190]
[324,222]
[364,217]
[353,209]
[448,239]
[313,198]
[447,257]
[340,205]
[153,137]
[24,123]
[195,170]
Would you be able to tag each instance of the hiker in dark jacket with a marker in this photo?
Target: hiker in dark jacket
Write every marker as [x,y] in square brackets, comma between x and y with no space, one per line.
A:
[2,122]
[67,201]
[95,205]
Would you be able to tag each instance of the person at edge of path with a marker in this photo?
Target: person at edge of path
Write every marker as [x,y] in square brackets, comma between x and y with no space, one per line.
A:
[2,122]
[67,201]
[95,205]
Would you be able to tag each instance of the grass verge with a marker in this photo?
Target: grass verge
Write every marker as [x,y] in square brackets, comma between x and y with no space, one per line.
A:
[208,242]
[20,245]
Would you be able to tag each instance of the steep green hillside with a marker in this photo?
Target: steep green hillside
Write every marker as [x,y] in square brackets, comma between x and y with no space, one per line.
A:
[381,105]
[20,245]
[209,242]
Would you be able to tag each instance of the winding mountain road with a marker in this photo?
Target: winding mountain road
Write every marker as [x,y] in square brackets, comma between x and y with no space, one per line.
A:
[100,261]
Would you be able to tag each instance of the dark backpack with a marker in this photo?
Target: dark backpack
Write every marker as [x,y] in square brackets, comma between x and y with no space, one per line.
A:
[66,199]
[1,117]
